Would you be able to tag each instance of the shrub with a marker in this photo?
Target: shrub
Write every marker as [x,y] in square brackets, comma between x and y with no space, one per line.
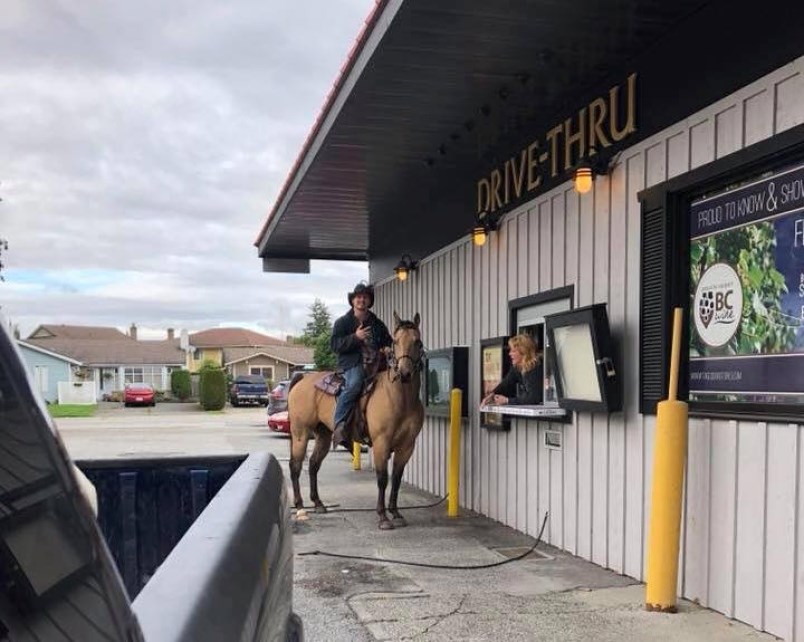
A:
[213,389]
[180,384]
[207,365]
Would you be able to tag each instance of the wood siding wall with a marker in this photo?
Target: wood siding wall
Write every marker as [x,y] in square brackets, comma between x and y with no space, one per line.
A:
[742,542]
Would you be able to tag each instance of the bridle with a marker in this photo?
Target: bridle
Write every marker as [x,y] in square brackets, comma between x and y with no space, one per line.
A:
[394,361]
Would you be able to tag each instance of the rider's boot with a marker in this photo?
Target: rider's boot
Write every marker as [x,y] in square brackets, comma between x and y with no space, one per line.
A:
[341,434]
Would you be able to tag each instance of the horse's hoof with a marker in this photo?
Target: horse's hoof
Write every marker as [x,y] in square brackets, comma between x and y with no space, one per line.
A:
[320,508]
[399,522]
[386,525]
[301,515]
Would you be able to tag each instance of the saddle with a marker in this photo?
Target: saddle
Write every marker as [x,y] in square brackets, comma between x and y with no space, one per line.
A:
[332,382]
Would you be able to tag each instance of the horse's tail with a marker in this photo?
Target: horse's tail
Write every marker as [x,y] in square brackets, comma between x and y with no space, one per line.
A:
[296,378]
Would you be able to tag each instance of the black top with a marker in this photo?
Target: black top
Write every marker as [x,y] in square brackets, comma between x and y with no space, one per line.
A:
[348,347]
[522,388]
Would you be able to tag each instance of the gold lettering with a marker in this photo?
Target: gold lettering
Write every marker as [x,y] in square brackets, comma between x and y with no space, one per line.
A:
[553,140]
[483,195]
[518,173]
[630,122]
[578,138]
[496,179]
[533,164]
[584,134]
[597,114]
[507,181]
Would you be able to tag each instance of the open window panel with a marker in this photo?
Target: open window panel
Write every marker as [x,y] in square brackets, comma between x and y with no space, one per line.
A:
[527,316]
[586,377]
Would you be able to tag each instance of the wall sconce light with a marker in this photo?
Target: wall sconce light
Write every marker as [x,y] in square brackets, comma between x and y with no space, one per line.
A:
[585,171]
[405,266]
[481,230]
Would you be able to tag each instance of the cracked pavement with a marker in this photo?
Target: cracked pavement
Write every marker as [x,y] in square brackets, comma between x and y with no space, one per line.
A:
[556,598]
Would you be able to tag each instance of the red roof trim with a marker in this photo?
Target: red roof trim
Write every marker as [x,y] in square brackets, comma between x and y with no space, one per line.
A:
[351,58]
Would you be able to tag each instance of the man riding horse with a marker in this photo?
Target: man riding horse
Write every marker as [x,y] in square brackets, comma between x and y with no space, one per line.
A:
[358,337]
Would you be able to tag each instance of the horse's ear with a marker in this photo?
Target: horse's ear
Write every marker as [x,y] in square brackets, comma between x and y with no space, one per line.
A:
[417,320]
[397,320]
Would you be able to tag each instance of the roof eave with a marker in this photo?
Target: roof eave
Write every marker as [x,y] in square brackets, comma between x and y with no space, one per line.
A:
[373,30]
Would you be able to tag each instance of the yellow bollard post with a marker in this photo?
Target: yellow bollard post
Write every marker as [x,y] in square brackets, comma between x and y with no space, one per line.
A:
[668,480]
[454,461]
[355,455]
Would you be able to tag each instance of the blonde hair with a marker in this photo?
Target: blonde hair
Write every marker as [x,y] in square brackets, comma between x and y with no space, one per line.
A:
[526,346]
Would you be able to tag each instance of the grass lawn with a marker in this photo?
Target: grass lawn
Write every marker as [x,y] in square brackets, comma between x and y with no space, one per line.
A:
[71,410]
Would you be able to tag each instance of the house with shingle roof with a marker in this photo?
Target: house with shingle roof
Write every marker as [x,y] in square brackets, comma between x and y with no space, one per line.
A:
[49,331]
[110,358]
[242,352]
[47,368]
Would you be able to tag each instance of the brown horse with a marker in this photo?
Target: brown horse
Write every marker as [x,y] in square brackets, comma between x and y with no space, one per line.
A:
[394,415]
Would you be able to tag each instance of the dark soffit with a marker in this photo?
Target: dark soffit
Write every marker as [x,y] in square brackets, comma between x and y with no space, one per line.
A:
[420,76]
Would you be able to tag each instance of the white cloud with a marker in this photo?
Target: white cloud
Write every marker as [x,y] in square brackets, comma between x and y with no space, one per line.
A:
[147,141]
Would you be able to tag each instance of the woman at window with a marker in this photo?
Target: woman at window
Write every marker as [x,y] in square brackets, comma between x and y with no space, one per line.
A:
[523,384]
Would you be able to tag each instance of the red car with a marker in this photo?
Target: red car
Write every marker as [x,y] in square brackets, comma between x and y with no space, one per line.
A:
[139,394]
[279,422]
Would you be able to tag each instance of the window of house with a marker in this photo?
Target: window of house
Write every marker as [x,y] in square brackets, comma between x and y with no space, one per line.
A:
[527,317]
[266,372]
[144,374]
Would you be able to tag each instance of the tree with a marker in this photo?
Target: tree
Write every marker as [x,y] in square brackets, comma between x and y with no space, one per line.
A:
[323,354]
[320,323]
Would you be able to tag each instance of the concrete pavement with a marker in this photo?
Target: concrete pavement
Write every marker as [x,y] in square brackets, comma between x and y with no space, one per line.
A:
[552,596]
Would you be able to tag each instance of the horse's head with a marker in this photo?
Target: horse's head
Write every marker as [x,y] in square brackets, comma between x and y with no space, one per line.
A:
[408,354]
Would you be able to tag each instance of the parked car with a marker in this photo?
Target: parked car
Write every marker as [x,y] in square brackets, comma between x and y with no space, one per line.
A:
[139,394]
[278,400]
[279,422]
[248,389]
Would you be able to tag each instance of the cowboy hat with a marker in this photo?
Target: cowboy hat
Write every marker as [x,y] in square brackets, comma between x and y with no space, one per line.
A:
[362,288]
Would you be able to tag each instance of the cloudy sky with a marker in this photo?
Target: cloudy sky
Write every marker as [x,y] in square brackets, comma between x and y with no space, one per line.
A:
[142,145]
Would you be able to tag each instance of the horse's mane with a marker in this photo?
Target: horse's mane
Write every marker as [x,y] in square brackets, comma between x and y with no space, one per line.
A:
[296,378]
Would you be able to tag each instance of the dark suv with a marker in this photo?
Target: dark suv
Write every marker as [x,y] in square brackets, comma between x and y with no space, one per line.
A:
[278,399]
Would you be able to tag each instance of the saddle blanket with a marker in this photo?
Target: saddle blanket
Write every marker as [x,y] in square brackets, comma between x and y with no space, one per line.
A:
[331,383]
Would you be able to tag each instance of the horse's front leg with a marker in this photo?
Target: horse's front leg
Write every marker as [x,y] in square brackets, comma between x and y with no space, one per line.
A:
[401,458]
[381,465]
[322,445]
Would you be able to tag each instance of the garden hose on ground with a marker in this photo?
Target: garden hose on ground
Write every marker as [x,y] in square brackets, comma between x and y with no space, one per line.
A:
[335,508]
[446,567]
[366,510]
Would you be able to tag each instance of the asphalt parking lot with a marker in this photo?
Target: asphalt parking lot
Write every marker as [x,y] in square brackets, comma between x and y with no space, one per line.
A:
[170,430]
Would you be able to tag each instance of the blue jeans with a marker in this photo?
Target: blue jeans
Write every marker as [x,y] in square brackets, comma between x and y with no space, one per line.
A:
[352,386]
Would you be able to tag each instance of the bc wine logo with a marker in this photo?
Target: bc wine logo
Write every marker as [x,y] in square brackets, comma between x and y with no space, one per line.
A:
[718,305]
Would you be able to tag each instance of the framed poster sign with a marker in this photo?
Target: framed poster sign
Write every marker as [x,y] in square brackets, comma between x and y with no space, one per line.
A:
[747,294]
[494,364]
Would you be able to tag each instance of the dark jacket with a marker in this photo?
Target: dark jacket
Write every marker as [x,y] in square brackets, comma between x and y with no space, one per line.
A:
[348,347]
[523,389]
